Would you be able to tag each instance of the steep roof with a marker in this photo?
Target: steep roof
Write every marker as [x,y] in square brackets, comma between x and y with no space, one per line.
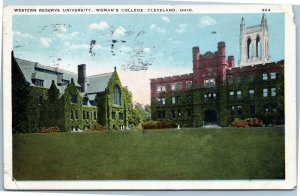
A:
[33,70]
[98,83]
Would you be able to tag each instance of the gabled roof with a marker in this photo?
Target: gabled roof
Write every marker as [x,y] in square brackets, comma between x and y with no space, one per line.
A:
[98,83]
[33,70]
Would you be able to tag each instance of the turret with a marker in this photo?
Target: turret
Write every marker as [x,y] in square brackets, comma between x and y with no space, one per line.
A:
[196,56]
[221,48]
[264,21]
[243,24]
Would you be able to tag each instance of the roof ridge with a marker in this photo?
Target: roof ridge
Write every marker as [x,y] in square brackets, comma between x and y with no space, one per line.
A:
[100,74]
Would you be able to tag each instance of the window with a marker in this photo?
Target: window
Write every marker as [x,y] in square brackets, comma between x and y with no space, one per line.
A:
[189,84]
[239,110]
[205,97]
[72,115]
[266,109]
[113,115]
[173,100]
[117,96]
[239,94]
[179,113]
[173,87]
[178,86]
[74,98]
[265,76]
[275,108]
[178,99]
[163,101]
[265,92]
[190,99]
[273,92]
[87,115]
[252,110]
[189,112]
[214,95]
[231,80]
[158,89]
[238,80]
[173,113]
[209,82]
[158,100]
[76,114]
[38,82]
[251,93]
[251,78]
[83,114]
[273,75]
[231,94]
[41,100]
[66,82]
[121,115]
[161,114]
[232,110]
[95,115]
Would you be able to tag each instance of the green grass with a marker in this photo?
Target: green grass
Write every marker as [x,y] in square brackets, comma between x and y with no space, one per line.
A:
[203,154]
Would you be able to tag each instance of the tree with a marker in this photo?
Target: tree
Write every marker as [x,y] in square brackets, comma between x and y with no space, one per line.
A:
[139,114]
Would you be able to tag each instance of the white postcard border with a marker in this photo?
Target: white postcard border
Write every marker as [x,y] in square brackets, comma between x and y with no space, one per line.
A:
[290,113]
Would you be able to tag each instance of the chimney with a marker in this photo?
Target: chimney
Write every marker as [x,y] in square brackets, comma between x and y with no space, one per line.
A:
[82,77]
[231,61]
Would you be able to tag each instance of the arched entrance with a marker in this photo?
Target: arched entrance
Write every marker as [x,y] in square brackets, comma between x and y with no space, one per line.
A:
[210,117]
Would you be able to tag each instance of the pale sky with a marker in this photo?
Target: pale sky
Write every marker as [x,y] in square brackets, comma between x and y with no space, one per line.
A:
[140,46]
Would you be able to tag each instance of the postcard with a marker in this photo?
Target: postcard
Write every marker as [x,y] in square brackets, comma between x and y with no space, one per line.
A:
[149,97]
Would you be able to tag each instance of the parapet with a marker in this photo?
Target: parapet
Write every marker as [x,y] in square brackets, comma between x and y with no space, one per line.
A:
[172,78]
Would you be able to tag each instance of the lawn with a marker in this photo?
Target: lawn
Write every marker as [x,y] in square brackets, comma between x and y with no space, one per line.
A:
[189,154]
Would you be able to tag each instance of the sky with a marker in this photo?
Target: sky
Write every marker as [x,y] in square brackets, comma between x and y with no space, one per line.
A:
[141,46]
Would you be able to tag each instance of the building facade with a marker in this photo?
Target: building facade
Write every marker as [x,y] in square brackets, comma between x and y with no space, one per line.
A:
[44,96]
[218,92]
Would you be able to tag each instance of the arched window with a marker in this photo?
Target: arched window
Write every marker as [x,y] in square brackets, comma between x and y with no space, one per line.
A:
[248,48]
[258,47]
[117,96]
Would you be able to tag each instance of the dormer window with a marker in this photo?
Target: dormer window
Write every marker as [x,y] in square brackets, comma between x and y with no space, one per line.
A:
[38,82]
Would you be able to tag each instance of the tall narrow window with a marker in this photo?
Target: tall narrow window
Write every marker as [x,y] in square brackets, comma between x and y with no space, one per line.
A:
[74,99]
[273,75]
[265,76]
[273,92]
[117,96]
[265,92]
[248,48]
[239,94]
[258,47]
[251,93]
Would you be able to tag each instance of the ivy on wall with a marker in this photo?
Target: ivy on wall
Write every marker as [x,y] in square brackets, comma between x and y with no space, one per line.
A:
[270,109]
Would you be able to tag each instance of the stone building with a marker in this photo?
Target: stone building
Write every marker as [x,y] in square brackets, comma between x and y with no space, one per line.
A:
[68,100]
[217,91]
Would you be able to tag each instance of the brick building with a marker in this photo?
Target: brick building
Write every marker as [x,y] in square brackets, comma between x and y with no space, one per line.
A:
[217,91]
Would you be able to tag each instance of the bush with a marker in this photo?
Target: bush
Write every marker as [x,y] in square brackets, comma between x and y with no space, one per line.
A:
[159,125]
[97,128]
[248,122]
[49,130]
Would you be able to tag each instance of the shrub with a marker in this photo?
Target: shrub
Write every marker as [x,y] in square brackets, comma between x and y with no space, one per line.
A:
[159,125]
[49,130]
[248,122]
[97,128]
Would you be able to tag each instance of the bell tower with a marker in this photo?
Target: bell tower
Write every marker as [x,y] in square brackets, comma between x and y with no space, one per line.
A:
[254,43]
